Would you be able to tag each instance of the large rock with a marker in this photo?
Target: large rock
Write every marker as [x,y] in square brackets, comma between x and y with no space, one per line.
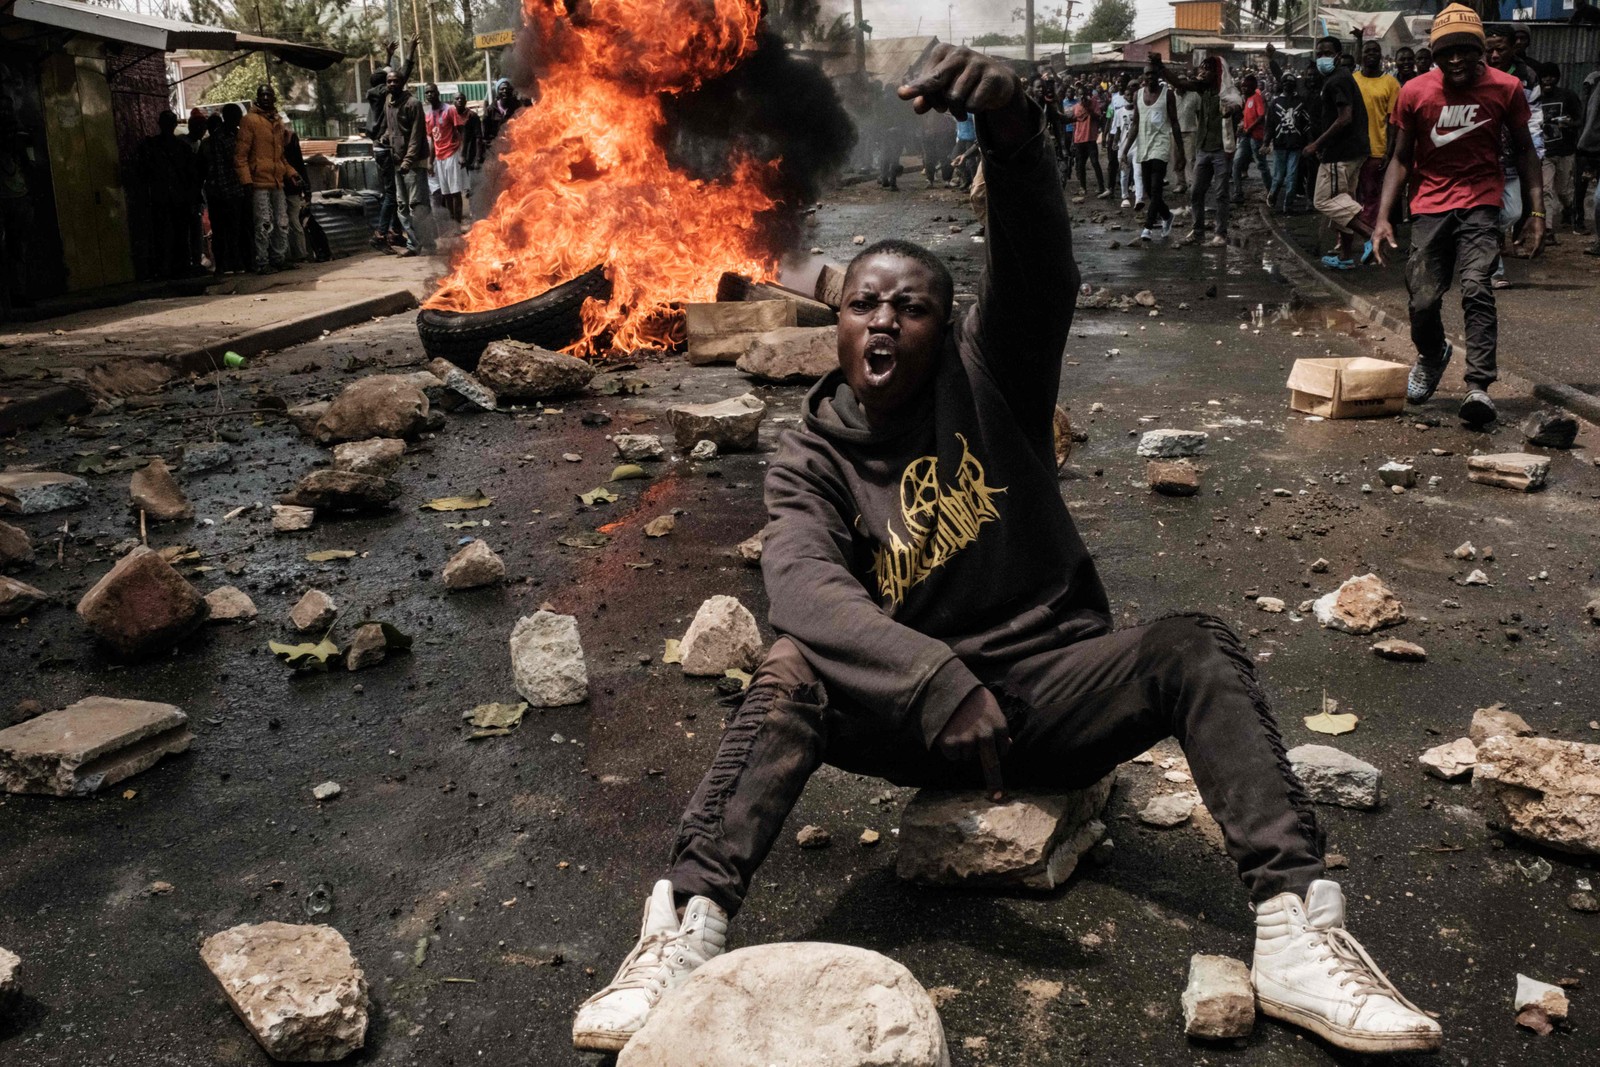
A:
[384,405]
[16,547]
[1172,444]
[89,745]
[1452,760]
[729,424]
[154,491]
[518,371]
[720,332]
[1550,429]
[1219,1001]
[723,636]
[792,354]
[1335,777]
[332,490]
[313,611]
[376,456]
[369,646]
[19,598]
[547,661]
[1029,839]
[793,1004]
[36,492]
[474,566]
[298,989]
[305,417]
[1172,477]
[1360,606]
[1510,470]
[142,604]
[1543,789]
[1496,721]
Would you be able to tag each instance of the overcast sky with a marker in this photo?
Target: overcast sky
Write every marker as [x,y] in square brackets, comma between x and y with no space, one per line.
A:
[954,20]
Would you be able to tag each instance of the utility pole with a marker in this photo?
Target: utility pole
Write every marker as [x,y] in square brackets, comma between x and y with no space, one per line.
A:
[1027,31]
[861,42]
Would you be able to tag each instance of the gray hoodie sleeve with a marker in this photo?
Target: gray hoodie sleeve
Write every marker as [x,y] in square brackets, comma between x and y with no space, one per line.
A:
[860,653]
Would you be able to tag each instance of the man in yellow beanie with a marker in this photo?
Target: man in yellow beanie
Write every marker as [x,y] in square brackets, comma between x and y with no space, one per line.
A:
[1449,126]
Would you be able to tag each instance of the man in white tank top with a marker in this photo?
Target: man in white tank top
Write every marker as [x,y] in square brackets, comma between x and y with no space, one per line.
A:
[1156,147]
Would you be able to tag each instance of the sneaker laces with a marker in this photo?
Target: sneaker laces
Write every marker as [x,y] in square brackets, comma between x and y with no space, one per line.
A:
[641,969]
[1357,970]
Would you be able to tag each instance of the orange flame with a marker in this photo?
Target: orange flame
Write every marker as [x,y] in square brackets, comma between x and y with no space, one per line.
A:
[586,180]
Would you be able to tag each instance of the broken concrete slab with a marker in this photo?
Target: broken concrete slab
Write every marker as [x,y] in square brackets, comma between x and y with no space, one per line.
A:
[287,518]
[751,547]
[1219,1000]
[1029,839]
[475,566]
[1172,444]
[1539,1005]
[1169,810]
[1332,776]
[1550,429]
[720,332]
[1496,721]
[790,1003]
[154,491]
[1452,760]
[230,604]
[142,604]
[19,598]
[1401,474]
[1543,789]
[723,636]
[734,423]
[636,447]
[84,747]
[792,354]
[1510,470]
[376,456]
[16,547]
[38,492]
[383,405]
[1172,477]
[1360,606]
[547,661]
[315,610]
[467,387]
[1399,651]
[297,989]
[519,371]
[336,490]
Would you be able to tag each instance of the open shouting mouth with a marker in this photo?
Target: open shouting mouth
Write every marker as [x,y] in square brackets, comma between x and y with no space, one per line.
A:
[881,353]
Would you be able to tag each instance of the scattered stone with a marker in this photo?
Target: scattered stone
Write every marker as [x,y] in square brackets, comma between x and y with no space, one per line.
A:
[16,547]
[1320,566]
[1550,429]
[547,660]
[327,790]
[306,416]
[1402,475]
[1510,470]
[369,646]
[19,598]
[788,1003]
[1477,577]
[206,456]
[734,423]
[1543,789]
[475,566]
[1401,651]
[518,371]
[722,637]
[336,490]
[1172,444]
[1465,550]
[378,457]
[10,981]
[1360,606]
[1591,609]
[314,611]
[154,491]
[661,525]
[87,746]
[463,385]
[1450,761]
[1219,1001]
[1539,1005]
[792,354]
[703,450]
[1169,810]
[1496,721]
[1270,604]
[868,839]
[230,604]
[297,989]
[1584,901]
[1335,777]
[384,405]
[36,492]
[813,837]
[1172,477]
[1145,298]
[1032,840]
[750,549]
[635,447]
[286,518]
[142,604]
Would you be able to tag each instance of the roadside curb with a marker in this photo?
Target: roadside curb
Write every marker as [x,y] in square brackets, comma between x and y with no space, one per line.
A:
[1574,400]
[56,401]
[290,332]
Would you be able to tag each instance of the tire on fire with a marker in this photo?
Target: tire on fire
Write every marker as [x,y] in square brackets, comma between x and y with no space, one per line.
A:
[550,320]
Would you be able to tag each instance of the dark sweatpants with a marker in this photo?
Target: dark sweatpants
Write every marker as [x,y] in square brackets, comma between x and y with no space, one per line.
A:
[1074,713]
[1468,238]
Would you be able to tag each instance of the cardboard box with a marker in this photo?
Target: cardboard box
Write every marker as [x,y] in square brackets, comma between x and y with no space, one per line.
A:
[1356,388]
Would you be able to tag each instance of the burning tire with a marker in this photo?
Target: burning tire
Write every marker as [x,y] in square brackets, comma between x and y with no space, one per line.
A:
[550,320]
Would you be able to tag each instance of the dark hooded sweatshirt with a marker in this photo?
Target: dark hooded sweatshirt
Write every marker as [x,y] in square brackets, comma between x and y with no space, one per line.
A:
[915,562]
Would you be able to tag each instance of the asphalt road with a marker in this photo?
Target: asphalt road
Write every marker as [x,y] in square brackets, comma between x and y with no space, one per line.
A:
[523,860]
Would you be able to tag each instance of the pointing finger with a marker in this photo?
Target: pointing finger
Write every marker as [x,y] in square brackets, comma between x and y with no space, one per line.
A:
[990,761]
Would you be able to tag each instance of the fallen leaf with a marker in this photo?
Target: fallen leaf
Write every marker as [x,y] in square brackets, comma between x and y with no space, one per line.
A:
[494,720]
[600,495]
[742,676]
[113,465]
[329,554]
[1326,723]
[467,524]
[625,471]
[669,654]
[660,526]
[420,955]
[584,540]
[638,566]
[307,656]
[179,553]
[460,503]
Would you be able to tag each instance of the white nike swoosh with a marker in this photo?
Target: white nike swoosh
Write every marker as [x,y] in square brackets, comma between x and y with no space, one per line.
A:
[1455,135]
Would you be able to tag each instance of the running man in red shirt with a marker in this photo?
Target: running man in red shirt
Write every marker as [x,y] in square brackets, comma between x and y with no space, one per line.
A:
[1449,124]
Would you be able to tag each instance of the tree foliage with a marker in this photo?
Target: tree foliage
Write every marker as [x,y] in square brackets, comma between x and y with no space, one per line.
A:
[1109,20]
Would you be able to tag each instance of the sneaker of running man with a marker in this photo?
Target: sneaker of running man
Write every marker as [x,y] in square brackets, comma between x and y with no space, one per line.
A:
[1126,202]
[1146,235]
[1166,227]
[1218,240]
[1104,193]
[667,953]
[1311,972]
[1425,375]
[1367,253]
[1477,409]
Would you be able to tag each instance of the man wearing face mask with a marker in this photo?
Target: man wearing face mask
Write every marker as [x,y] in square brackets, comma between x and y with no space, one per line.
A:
[1338,152]
[1449,128]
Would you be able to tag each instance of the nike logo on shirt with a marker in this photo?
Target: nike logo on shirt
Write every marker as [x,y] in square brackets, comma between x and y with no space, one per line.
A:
[1455,115]
[1440,140]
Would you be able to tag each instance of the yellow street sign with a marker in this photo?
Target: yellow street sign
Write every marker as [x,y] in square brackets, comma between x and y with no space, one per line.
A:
[498,39]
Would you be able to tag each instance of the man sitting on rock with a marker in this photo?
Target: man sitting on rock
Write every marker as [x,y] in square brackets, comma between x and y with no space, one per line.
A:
[943,624]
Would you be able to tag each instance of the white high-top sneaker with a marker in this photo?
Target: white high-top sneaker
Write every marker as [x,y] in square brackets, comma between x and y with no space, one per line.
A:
[667,953]
[1310,972]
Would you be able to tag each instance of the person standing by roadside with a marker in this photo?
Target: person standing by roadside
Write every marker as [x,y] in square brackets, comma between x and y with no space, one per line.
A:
[406,136]
[377,96]
[1378,94]
[1338,152]
[499,110]
[1449,128]
[1589,153]
[171,178]
[1500,52]
[1213,163]
[1287,123]
[1085,136]
[226,199]
[1424,60]
[296,197]
[1252,142]
[1188,129]
[260,164]
[17,163]
[1562,114]
[445,131]
[1157,145]
[1405,64]
[472,151]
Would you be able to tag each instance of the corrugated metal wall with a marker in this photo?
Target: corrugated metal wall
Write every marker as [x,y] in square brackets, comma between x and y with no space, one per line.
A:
[1575,49]
[1202,15]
